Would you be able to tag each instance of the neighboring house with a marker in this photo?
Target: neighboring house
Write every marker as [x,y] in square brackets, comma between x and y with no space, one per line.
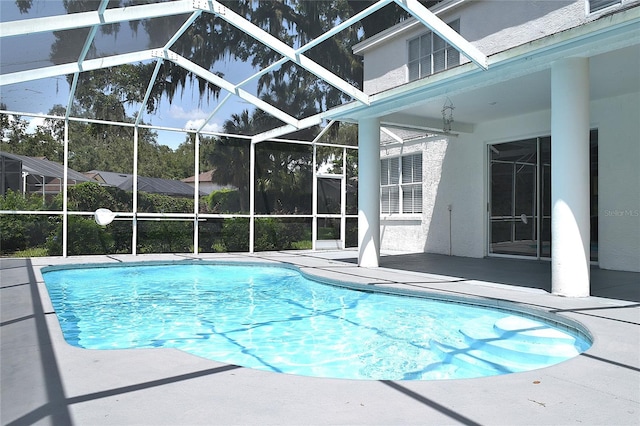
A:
[206,184]
[535,157]
[32,175]
[124,181]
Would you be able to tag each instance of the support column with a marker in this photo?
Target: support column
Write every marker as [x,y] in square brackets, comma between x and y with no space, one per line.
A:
[570,237]
[369,192]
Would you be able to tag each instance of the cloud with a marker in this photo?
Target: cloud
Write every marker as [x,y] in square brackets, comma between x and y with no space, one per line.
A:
[33,123]
[195,118]
[195,124]
[178,112]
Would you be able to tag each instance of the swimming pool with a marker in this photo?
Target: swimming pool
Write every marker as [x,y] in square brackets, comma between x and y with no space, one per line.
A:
[275,318]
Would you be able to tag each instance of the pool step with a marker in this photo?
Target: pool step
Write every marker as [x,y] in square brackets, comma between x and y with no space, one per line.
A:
[512,344]
[522,341]
[529,330]
[473,361]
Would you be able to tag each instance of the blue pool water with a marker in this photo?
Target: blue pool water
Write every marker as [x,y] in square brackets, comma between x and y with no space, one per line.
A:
[273,318]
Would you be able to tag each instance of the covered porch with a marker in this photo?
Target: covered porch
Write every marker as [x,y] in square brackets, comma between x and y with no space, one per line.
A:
[555,97]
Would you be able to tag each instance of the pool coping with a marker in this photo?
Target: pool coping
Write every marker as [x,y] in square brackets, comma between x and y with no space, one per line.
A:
[167,386]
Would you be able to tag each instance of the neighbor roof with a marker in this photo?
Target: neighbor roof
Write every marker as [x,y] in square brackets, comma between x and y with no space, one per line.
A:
[108,178]
[202,177]
[159,186]
[46,168]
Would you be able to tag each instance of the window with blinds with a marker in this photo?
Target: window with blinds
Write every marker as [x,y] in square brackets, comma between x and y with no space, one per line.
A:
[429,54]
[596,5]
[389,185]
[401,184]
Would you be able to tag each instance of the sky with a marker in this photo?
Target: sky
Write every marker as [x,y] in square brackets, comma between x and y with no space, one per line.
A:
[186,111]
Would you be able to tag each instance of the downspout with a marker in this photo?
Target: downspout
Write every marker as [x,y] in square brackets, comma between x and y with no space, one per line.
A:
[24,183]
[450,208]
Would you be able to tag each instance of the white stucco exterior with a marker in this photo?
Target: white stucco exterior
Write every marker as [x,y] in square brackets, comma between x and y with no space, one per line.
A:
[454,219]
[618,181]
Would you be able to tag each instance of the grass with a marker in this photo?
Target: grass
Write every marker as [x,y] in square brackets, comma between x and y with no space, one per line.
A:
[31,252]
[301,245]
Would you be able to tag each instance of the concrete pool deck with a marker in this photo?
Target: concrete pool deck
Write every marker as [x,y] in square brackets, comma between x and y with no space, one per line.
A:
[46,381]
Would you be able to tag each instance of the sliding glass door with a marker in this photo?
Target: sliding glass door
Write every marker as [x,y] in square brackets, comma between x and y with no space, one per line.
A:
[520,197]
[514,207]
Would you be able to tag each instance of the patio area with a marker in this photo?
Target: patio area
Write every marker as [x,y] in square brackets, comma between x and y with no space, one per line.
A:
[46,381]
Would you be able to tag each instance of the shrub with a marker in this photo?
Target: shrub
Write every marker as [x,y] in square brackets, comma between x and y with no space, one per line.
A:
[224,201]
[19,232]
[210,235]
[31,252]
[159,203]
[235,234]
[90,196]
[165,237]
[85,237]
[270,234]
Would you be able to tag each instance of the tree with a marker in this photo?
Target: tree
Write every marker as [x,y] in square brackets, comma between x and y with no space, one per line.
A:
[182,159]
[211,39]
[229,158]
[295,22]
[16,140]
[106,93]
[284,177]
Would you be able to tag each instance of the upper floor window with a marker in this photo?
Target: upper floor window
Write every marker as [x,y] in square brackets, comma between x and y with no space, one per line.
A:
[429,53]
[596,5]
[401,184]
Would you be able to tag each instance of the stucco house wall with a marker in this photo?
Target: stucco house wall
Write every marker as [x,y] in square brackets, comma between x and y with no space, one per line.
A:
[451,219]
[618,181]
